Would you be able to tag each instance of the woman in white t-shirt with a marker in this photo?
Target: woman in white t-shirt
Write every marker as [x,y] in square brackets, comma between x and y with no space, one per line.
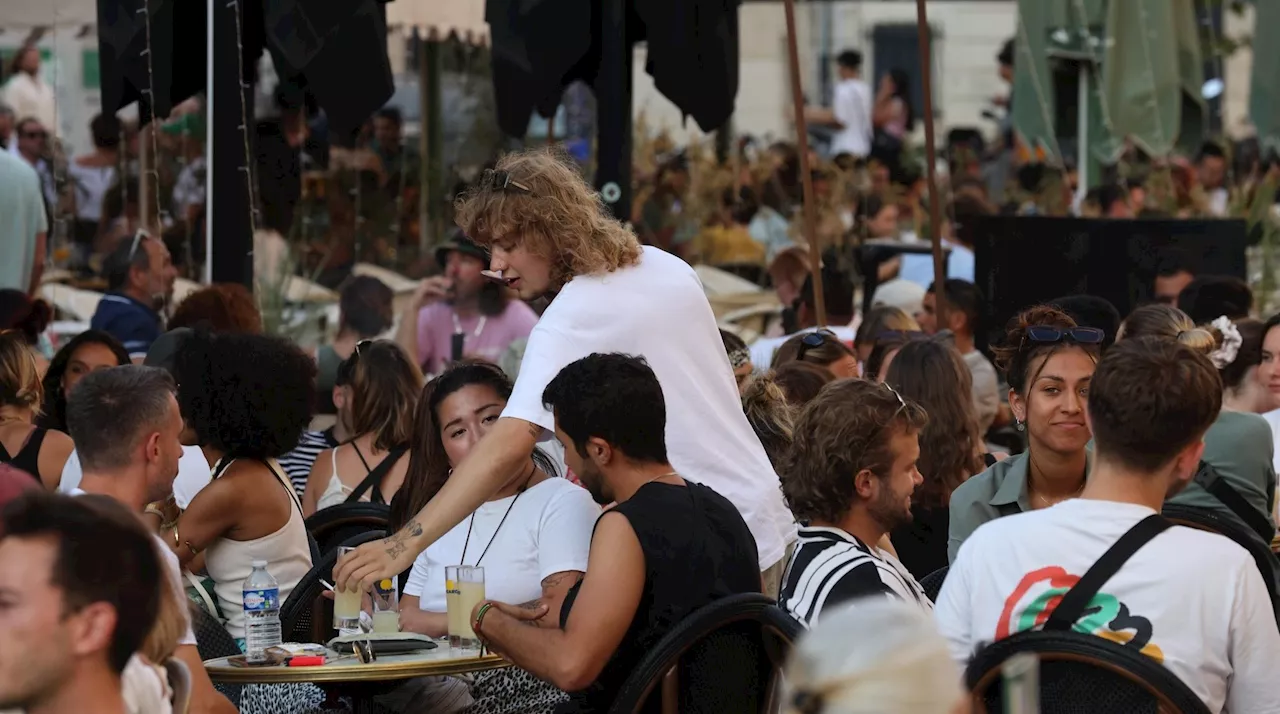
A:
[531,538]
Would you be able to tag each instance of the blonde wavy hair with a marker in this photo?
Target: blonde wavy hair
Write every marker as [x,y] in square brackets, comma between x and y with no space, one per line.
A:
[561,218]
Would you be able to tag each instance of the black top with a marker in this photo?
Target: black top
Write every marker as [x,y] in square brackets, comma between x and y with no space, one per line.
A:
[922,543]
[697,549]
[28,457]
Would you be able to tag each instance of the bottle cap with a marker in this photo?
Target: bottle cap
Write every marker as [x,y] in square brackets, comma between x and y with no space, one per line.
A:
[259,564]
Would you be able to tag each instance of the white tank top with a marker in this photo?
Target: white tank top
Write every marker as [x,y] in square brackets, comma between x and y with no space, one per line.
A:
[286,551]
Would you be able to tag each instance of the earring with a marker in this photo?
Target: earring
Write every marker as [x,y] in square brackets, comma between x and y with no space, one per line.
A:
[1019,424]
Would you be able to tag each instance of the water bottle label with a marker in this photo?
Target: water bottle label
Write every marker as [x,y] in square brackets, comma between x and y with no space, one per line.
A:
[261,600]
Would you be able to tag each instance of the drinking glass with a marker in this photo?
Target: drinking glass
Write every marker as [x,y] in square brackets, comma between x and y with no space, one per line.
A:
[346,605]
[464,589]
[386,607]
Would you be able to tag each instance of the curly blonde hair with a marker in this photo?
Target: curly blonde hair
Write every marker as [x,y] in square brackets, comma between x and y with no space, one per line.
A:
[561,218]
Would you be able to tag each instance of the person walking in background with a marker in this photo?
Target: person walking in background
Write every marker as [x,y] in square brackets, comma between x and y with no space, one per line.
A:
[24,225]
[91,175]
[850,112]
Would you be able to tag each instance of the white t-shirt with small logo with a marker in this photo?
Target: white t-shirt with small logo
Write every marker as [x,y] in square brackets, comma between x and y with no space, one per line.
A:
[658,310]
[1190,599]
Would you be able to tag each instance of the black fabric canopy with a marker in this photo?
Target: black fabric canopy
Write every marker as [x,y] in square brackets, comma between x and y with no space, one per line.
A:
[540,46]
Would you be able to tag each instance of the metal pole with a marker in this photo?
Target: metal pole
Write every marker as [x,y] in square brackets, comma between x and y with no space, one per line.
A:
[802,145]
[207,273]
[931,163]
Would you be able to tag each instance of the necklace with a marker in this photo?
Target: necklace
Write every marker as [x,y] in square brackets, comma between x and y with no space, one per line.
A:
[655,478]
[472,524]
[1078,491]
[457,325]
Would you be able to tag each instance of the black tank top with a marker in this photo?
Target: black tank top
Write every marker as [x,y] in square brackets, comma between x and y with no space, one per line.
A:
[697,549]
[28,457]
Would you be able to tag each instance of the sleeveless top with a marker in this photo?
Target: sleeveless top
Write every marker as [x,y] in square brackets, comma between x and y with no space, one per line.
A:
[229,562]
[697,549]
[28,457]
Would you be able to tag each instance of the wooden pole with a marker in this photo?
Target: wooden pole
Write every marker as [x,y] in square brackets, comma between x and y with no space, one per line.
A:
[802,145]
[931,164]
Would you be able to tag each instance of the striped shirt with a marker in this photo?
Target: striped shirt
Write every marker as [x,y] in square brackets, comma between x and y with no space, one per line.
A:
[830,566]
[297,463]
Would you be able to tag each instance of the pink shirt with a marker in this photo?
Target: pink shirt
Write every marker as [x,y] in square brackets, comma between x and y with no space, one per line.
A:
[436,327]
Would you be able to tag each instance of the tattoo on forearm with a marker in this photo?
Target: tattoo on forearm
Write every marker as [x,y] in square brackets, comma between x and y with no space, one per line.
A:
[531,605]
[395,546]
[414,528]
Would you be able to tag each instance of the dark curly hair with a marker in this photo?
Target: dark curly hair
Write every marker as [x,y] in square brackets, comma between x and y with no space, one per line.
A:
[54,415]
[1015,357]
[249,396]
[845,429]
[222,307]
[933,374]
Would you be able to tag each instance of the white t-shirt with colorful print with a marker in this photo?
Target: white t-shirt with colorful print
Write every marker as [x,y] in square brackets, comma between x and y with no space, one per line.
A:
[1189,599]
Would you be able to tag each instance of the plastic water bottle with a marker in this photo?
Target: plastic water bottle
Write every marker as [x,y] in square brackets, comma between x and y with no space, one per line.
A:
[261,613]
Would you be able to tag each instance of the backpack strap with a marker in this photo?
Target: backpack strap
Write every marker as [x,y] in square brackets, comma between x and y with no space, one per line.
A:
[374,479]
[1210,480]
[1073,604]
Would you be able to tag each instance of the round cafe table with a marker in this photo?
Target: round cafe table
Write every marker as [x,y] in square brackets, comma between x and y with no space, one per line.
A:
[437,662]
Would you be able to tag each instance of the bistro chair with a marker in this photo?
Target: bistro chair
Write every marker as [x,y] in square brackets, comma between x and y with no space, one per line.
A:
[335,524]
[1081,674]
[724,657]
[932,583]
[213,641]
[307,616]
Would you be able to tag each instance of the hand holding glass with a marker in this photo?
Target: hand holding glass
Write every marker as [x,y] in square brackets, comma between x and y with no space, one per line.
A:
[346,604]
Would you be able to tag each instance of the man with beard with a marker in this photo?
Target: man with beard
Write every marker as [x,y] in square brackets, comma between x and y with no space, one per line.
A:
[1190,599]
[849,477]
[461,310]
[666,548]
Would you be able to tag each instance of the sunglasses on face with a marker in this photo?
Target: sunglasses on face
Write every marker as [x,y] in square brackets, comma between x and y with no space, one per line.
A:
[502,181]
[1080,335]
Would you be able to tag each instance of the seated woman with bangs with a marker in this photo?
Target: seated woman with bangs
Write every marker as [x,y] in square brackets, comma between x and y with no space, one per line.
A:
[532,539]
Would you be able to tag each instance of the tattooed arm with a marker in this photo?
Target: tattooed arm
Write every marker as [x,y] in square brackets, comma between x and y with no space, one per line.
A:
[554,589]
[494,461]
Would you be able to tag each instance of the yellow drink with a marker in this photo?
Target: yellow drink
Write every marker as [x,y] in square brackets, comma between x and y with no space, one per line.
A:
[346,609]
[386,621]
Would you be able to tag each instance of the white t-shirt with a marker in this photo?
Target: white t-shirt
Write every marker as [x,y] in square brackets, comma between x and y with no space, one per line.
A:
[657,309]
[547,531]
[174,570]
[852,107]
[1199,595]
[193,475]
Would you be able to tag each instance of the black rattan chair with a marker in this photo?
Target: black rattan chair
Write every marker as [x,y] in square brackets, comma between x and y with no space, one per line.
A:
[727,656]
[307,616]
[335,524]
[1081,674]
[932,583]
[1207,519]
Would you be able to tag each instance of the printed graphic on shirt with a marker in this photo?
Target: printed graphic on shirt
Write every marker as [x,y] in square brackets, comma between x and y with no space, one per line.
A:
[1040,591]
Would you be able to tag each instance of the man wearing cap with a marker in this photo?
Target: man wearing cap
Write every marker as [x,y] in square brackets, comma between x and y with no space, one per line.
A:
[461,313]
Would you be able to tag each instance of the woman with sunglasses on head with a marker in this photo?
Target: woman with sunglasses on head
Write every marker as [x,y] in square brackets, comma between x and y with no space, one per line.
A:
[932,373]
[881,322]
[532,537]
[382,386]
[820,348]
[1239,445]
[1048,362]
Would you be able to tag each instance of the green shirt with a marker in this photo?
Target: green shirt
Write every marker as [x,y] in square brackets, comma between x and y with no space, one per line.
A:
[1239,447]
[999,491]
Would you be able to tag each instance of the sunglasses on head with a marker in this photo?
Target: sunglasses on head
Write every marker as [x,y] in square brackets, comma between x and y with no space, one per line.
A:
[348,366]
[1044,334]
[502,181]
[904,335]
[812,341]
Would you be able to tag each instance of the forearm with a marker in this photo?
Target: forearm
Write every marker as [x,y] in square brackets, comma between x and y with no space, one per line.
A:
[544,653]
[494,461]
[431,624]
[37,263]
[407,333]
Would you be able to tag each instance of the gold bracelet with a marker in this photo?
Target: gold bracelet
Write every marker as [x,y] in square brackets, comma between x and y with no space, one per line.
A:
[154,510]
[178,542]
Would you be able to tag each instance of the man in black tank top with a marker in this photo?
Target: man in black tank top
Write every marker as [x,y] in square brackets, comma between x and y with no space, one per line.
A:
[666,548]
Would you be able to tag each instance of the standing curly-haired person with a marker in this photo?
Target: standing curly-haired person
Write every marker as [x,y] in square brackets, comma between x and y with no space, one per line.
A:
[551,235]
